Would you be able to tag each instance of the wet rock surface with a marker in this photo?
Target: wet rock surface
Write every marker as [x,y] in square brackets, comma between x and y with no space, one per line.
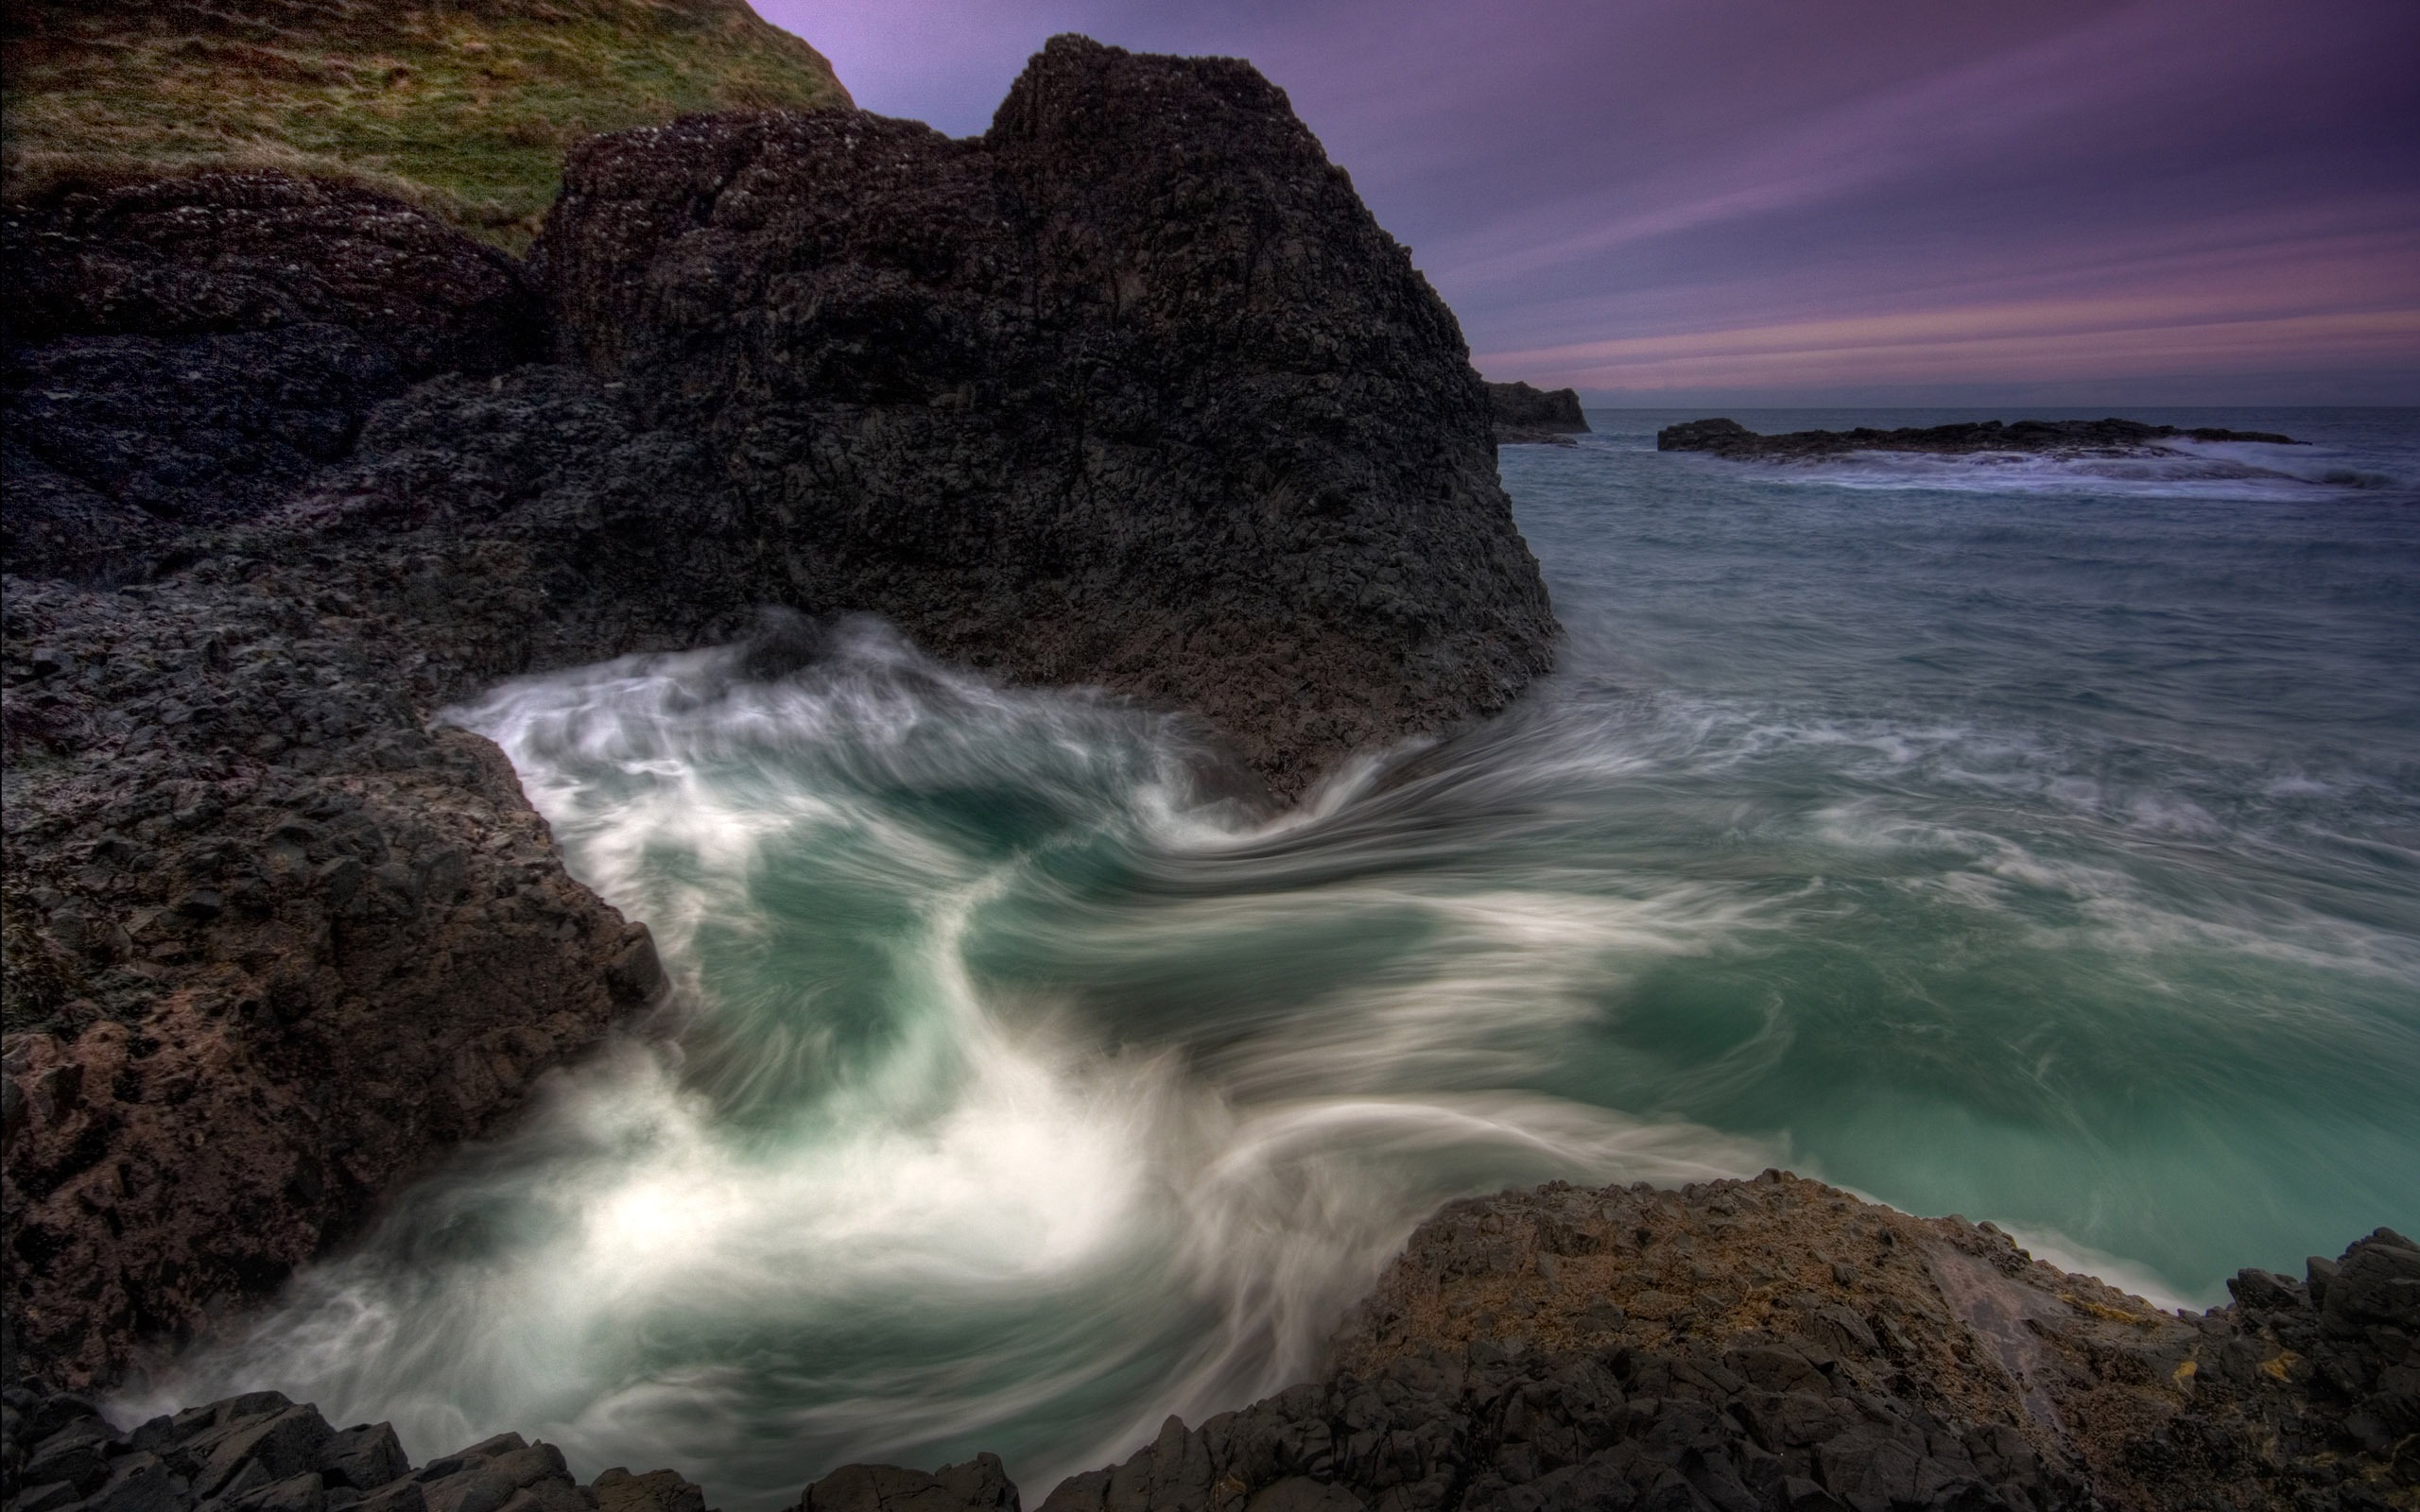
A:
[2111,437]
[1524,414]
[269,942]
[1777,1346]
[1781,1339]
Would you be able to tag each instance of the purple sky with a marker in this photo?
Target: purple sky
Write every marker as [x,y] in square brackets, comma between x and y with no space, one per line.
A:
[1825,200]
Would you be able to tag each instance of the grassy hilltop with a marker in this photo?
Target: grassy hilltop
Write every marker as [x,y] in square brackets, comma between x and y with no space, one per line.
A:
[463,106]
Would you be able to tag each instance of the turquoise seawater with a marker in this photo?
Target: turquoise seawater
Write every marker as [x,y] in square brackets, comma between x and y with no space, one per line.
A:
[2032,839]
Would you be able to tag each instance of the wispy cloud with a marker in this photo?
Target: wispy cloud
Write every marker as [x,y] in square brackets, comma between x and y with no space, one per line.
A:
[2229,183]
[1974,343]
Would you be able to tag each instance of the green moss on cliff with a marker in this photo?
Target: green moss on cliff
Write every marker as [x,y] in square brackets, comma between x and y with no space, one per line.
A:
[462,107]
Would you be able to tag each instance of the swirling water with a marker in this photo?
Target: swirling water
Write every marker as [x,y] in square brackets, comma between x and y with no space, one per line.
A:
[2033,839]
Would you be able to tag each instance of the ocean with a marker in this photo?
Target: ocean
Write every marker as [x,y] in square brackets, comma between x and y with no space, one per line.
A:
[2031,839]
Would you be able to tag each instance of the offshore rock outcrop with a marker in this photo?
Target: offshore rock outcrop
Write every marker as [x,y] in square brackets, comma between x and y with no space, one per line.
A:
[2073,438]
[1130,392]
[1524,414]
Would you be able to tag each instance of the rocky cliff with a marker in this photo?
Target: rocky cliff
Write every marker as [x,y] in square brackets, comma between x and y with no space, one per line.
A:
[1132,391]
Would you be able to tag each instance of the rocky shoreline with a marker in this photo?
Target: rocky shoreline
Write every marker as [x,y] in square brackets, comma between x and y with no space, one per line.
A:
[1130,392]
[2070,438]
[1765,1346]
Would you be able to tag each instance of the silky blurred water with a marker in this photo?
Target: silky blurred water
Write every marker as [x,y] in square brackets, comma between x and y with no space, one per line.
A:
[2032,839]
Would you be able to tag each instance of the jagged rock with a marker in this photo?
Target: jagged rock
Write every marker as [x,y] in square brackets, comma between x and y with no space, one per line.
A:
[391,950]
[1728,438]
[1131,390]
[618,1491]
[1526,415]
[981,1484]
[185,352]
[259,1453]
[365,1457]
[1879,1360]
[1993,1383]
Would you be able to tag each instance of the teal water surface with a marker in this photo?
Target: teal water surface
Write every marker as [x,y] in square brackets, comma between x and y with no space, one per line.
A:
[2035,839]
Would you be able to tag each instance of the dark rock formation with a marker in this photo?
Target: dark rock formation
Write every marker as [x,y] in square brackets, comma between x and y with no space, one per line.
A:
[1131,390]
[1767,1346]
[186,353]
[221,252]
[269,942]
[118,446]
[1728,438]
[1779,1345]
[260,1453]
[1526,415]
[981,1484]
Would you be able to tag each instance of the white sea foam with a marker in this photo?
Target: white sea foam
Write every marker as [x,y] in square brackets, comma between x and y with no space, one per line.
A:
[996,1210]
[1026,1091]
[2183,470]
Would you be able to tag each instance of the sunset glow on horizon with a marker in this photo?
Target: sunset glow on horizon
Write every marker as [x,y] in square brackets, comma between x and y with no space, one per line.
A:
[2135,198]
